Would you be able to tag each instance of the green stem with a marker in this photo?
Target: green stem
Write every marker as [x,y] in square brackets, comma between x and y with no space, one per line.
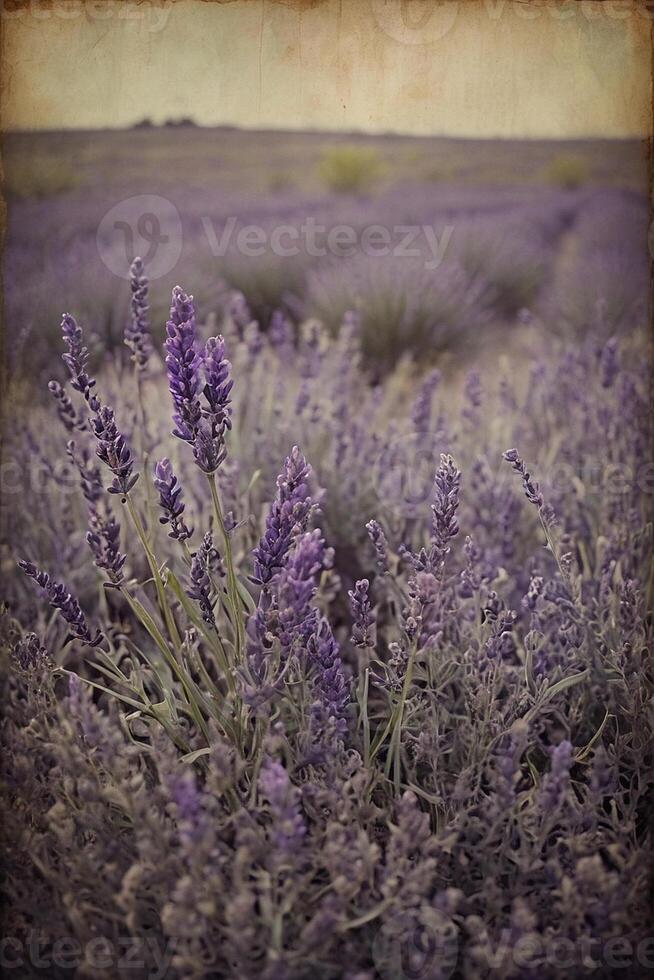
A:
[395,722]
[171,626]
[232,589]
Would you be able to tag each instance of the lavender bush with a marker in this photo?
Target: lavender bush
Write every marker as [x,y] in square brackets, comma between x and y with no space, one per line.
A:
[345,680]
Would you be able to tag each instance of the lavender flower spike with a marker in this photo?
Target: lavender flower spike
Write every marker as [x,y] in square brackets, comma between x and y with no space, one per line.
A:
[183,366]
[446,502]
[65,408]
[288,828]
[288,517]
[76,359]
[204,560]
[170,494]
[104,540]
[532,490]
[114,451]
[363,632]
[380,544]
[328,722]
[555,784]
[59,597]
[137,331]
[30,654]
[218,384]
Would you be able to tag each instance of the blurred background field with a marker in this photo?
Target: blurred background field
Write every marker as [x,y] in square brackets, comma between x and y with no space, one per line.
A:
[555,228]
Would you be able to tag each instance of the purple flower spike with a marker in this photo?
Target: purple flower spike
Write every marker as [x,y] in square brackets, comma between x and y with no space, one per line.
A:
[76,359]
[137,331]
[328,723]
[288,827]
[363,632]
[446,502]
[170,500]
[183,366]
[555,784]
[30,654]
[218,383]
[422,406]
[65,408]
[205,559]
[104,539]
[288,517]
[60,598]
[444,525]
[532,490]
[114,451]
[380,544]
[609,362]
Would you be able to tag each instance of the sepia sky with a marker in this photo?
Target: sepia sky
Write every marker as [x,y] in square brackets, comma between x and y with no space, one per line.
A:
[487,68]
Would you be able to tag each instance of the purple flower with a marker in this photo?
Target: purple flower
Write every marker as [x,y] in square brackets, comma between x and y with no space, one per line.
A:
[295,588]
[555,785]
[30,654]
[380,544]
[208,434]
[218,384]
[183,366]
[60,598]
[363,632]
[328,723]
[422,405]
[609,363]
[446,501]
[288,517]
[205,560]
[473,395]
[170,500]
[137,331]
[444,525]
[90,479]
[65,408]
[186,802]
[532,490]
[288,827]
[104,539]
[280,331]
[114,451]
[76,359]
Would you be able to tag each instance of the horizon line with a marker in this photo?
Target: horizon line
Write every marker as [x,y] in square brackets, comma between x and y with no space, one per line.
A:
[146,124]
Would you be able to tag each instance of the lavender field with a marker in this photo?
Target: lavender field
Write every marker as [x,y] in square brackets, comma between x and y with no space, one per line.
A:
[327,537]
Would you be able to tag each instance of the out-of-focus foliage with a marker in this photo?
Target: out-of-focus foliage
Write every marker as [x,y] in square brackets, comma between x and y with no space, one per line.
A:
[568,172]
[350,169]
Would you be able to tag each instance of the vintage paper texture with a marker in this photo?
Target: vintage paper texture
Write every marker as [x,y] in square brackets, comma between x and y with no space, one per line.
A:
[487,68]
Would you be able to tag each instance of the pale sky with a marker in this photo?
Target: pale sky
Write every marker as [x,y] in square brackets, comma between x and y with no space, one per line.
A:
[487,68]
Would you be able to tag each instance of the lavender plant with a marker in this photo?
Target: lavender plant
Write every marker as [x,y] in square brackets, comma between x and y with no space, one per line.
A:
[379,713]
